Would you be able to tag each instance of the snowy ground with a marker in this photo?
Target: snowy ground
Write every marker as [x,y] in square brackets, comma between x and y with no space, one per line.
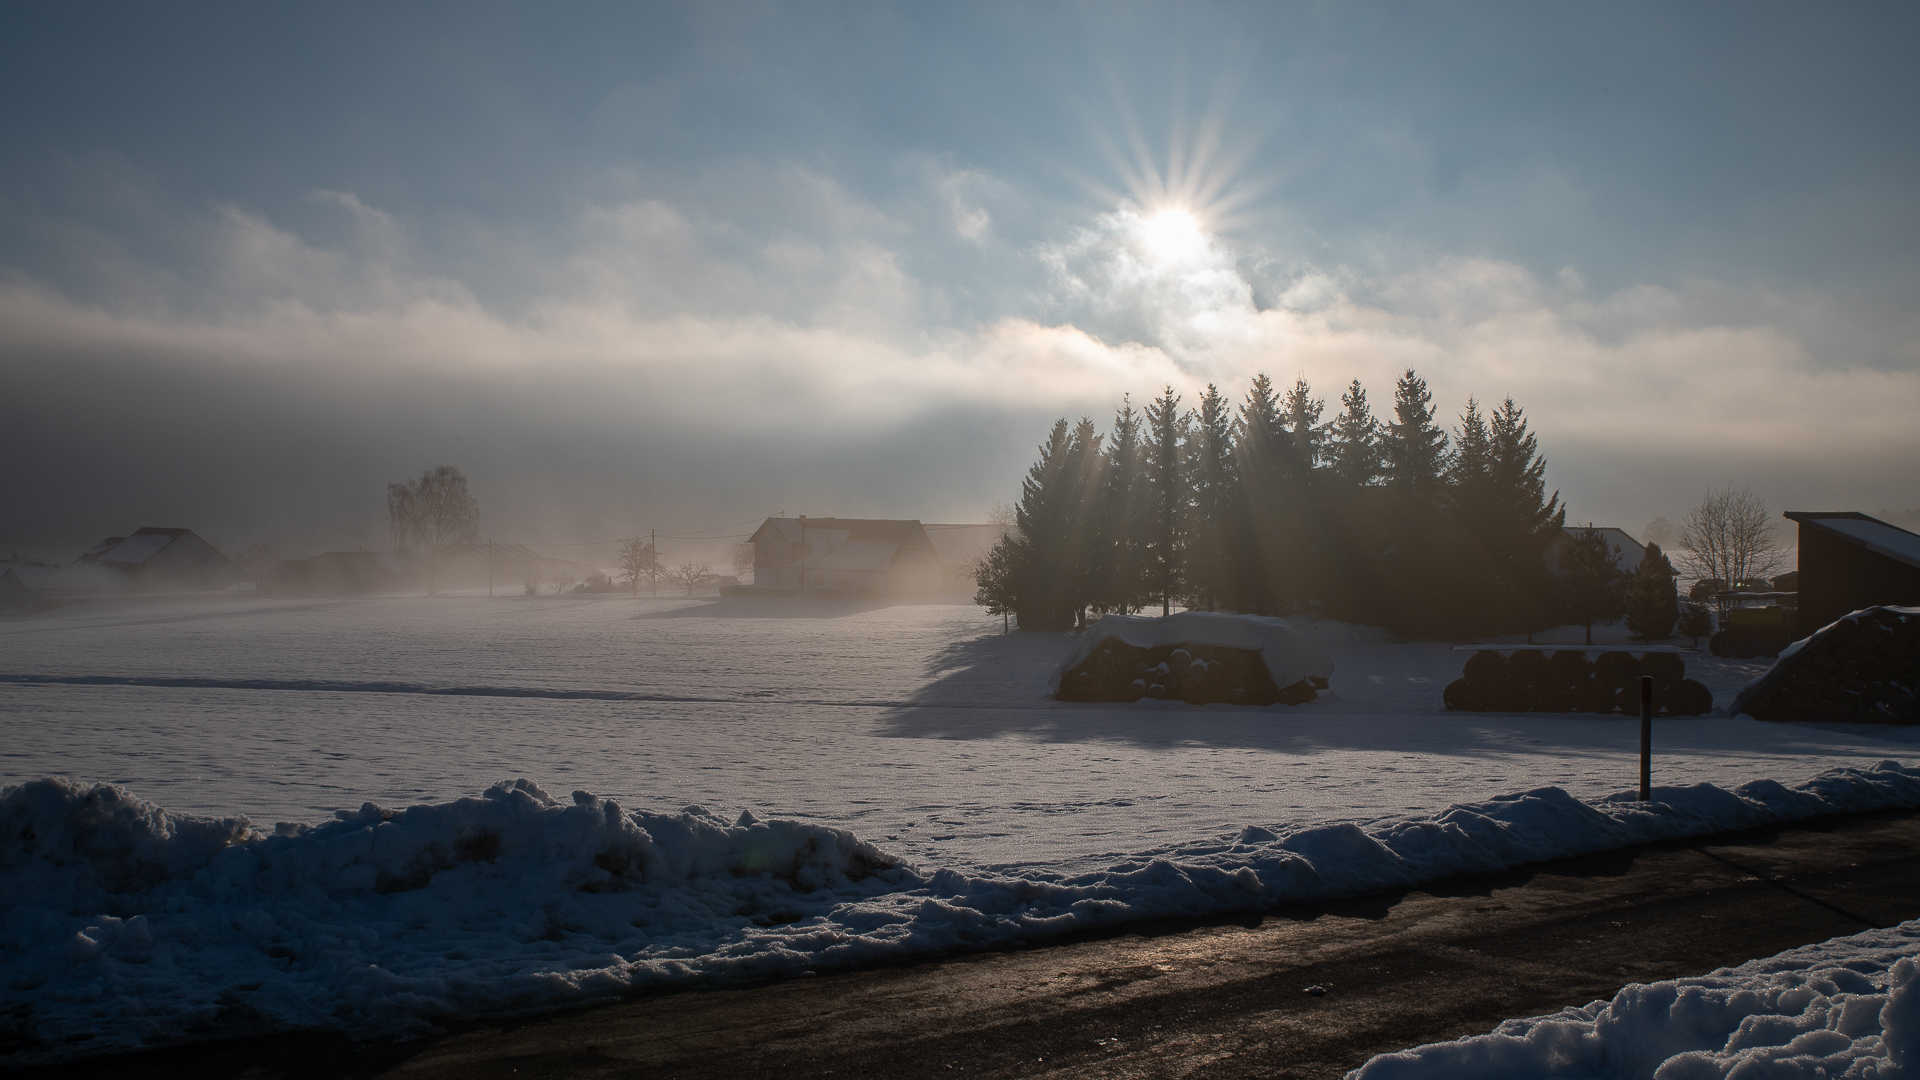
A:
[871,781]
[1849,1007]
[918,727]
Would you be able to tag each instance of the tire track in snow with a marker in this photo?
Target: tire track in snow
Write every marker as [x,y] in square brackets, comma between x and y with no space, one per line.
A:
[180,682]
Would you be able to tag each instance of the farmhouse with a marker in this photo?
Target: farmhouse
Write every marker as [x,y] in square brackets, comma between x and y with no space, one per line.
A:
[1627,552]
[863,558]
[1850,561]
[169,559]
[151,560]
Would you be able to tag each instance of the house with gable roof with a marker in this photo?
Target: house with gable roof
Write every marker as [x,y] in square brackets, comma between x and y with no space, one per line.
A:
[863,558]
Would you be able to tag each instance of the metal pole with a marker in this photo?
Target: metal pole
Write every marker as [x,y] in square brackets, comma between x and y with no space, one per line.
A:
[803,557]
[1646,738]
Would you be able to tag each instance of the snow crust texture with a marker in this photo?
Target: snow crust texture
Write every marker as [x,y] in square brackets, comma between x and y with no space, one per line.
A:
[123,925]
[1849,1007]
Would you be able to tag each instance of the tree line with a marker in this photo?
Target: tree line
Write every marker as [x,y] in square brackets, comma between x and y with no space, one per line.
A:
[1265,507]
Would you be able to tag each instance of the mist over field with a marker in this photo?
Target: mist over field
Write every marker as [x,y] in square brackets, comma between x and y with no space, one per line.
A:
[646,268]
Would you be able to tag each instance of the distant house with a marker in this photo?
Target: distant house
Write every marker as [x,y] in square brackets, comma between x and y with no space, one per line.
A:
[149,561]
[165,559]
[35,588]
[863,558]
[1627,552]
[1849,561]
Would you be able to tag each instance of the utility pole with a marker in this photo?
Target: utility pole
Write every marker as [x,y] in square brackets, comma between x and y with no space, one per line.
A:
[1646,738]
[489,566]
[803,556]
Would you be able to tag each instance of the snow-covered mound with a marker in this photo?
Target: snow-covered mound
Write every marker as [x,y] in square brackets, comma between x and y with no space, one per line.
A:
[1289,655]
[124,925]
[1849,1007]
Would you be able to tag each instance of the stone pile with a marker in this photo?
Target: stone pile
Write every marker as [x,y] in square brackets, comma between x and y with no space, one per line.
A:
[1864,669]
[1193,673]
[1567,681]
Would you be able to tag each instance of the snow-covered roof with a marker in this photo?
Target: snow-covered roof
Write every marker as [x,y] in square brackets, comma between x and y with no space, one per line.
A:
[1290,656]
[137,548]
[1871,533]
[100,548]
[1627,552]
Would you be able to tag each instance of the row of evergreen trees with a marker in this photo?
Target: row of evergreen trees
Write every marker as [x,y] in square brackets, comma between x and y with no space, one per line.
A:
[1265,507]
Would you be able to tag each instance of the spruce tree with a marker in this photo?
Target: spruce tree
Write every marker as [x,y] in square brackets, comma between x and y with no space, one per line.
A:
[1653,601]
[1415,448]
[1471,466]
[1524,520]
[1259,427]
[1165,498]
[1266,505]
[1309,435]
[1353,445]
[1592,588]
[1696,621]
[1041,565]
[1118,570]
[1215,504]
[1081,553]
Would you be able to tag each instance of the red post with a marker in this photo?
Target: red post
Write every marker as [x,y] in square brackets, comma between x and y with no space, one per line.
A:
[1646,738]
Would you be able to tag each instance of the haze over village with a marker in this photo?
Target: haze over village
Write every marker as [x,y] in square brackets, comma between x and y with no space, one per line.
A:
[1322,539]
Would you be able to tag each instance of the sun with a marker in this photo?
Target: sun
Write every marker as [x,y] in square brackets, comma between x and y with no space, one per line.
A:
[1172,235]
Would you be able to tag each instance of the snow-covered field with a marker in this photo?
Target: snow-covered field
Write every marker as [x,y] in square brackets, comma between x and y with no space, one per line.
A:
[759,788]
[919,727]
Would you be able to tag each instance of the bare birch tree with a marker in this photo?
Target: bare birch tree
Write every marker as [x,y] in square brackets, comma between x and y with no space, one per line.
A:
[1729,537]
[432,514]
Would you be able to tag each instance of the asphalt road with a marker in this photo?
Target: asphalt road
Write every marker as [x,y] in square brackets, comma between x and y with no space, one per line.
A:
[1213,999]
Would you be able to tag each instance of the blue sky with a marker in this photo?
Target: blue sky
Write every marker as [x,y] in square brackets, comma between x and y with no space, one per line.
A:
[637,266]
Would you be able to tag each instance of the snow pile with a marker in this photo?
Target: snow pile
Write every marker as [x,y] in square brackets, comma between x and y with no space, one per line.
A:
[123,925]
[1288,654]
[1846,1007]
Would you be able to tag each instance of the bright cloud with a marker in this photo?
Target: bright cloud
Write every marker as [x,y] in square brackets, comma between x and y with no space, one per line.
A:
[664,325]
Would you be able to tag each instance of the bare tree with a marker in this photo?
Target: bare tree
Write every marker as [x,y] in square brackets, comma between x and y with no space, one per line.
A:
[562,579]
[638,560]
[532,574]
[742,560]
[690,574]
[431,514]
[256,560]
[1729,537]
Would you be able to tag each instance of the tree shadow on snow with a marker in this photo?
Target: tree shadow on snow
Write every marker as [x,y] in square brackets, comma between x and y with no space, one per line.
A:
[997,685]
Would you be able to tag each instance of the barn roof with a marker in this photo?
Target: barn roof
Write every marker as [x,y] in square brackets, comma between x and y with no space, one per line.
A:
[1860,530]
[1627,552]
[140,547]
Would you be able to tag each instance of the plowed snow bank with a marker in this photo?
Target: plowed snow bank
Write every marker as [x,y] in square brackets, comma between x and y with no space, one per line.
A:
[125,925]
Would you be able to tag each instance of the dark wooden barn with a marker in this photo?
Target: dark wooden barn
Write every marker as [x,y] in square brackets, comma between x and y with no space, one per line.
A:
[1850,561]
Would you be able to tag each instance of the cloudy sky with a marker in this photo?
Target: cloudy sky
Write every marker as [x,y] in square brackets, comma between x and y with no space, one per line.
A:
[675,267]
